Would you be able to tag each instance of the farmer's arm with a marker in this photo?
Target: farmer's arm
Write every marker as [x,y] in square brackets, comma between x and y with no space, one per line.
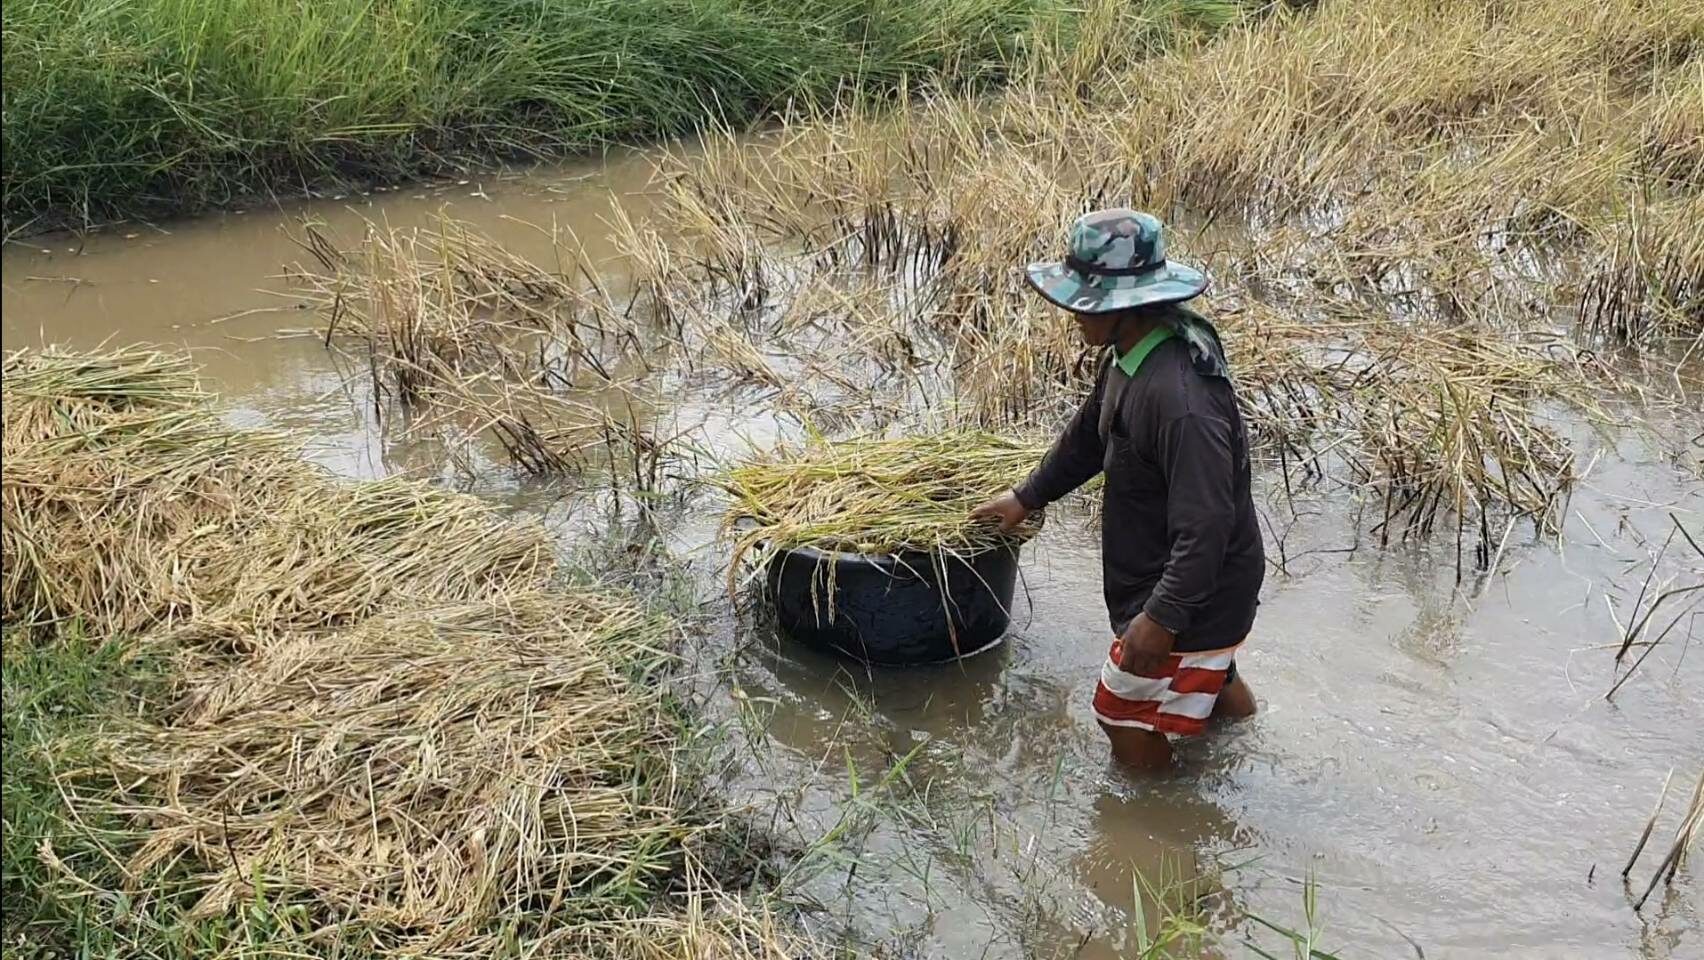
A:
[1076,456]
[1195,455]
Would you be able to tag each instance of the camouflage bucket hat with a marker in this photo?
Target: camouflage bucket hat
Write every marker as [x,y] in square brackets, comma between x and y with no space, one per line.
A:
[1117,260]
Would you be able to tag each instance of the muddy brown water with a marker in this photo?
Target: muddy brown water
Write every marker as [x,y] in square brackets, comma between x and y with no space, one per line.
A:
[1436,759]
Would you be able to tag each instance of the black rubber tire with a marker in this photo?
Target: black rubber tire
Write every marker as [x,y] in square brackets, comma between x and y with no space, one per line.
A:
[893,609]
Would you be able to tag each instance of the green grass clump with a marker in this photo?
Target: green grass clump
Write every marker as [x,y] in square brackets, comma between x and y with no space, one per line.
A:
[54,700]
[167,105]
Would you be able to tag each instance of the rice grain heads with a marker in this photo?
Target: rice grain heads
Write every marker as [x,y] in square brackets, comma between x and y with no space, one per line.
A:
[387,729]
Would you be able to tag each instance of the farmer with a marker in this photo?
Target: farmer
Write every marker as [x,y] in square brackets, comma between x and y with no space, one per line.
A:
[1181,556]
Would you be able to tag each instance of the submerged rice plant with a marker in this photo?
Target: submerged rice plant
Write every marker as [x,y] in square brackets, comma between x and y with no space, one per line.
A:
[1401,207]
[464,341]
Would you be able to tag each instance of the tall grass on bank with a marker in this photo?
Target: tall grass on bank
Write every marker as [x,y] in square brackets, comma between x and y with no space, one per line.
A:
[254,711]
[114,108]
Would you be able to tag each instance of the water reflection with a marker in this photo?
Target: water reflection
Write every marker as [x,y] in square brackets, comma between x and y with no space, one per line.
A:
[815,693]
[1150,845]
[1008,793]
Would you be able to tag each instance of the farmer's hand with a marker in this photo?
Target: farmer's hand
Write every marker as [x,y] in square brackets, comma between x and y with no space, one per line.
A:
[1005,509]
[1144,647]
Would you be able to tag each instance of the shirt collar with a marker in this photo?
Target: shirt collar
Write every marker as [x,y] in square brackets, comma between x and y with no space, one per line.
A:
[1132,361]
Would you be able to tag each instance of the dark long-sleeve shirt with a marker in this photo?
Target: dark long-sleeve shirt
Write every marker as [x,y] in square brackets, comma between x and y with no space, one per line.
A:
[1179,535]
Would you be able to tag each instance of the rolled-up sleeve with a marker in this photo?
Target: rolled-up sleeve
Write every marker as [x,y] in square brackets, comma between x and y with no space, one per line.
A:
[1075,458]
[1195,454]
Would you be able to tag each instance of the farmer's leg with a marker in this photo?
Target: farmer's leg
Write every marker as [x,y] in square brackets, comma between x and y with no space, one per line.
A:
[1236,700]
[1137,710]
[1138,749]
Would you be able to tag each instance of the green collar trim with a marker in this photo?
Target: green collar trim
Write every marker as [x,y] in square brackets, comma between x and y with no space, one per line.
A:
[1132,361]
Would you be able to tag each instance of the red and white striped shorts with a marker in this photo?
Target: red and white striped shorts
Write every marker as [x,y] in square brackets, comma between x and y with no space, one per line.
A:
[1176,698]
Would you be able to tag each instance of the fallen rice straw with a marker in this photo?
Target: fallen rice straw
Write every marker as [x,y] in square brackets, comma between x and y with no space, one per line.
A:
[1684,837]
[383,710]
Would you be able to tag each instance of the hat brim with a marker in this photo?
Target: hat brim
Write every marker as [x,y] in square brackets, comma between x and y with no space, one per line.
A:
[1064,287]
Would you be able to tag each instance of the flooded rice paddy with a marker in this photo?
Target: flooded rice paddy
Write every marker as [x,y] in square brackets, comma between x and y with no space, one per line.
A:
[1436,758]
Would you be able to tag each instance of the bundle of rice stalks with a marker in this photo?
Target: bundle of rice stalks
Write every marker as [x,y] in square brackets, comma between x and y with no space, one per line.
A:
[1674,134]
[384,727]
[1649,282]
[875,497]
[1429,419]
[428,305]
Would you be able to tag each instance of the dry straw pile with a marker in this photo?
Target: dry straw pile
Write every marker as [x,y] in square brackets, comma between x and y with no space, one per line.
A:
[386,722]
